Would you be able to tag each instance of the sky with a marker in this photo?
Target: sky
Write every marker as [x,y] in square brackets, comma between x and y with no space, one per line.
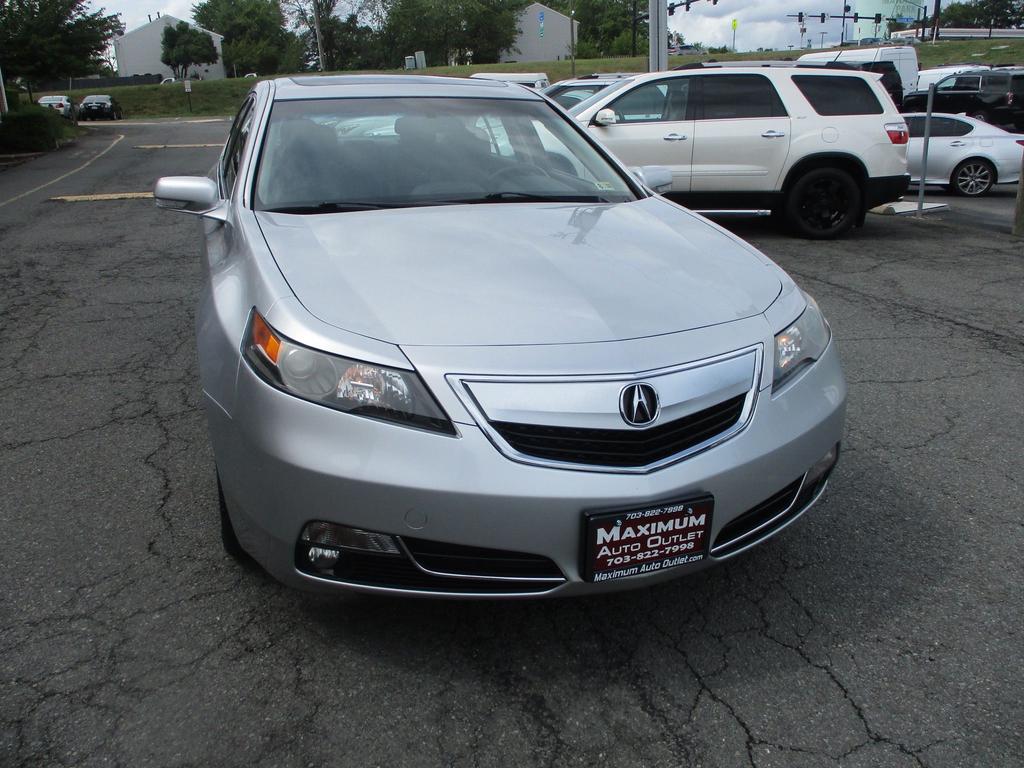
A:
[761,23]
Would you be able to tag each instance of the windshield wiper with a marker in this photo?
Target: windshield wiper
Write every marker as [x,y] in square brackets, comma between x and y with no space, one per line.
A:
[340,206]
[530,197]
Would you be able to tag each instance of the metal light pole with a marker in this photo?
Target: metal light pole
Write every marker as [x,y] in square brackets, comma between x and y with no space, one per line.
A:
[1018,214]
[924,153]
[657,60]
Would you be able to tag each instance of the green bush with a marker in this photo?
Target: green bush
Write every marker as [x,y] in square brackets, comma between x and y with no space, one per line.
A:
[32,129]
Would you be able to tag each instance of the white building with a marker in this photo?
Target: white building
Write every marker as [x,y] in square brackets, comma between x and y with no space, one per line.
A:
[138,52]
[543,35]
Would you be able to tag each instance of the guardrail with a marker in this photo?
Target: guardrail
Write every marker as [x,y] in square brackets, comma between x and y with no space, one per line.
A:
[959,33]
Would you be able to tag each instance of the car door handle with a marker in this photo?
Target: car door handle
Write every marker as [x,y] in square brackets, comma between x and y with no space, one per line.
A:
[958,143]
[675,137]
[773,134]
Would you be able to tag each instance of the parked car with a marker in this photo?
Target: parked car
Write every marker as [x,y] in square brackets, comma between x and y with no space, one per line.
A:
[569,93]
[63,104]
[168,80]
[928,76]
[817,146]
[903,58]
[991,95]
[437,363]
[97,106]
[536,80]
[965,155]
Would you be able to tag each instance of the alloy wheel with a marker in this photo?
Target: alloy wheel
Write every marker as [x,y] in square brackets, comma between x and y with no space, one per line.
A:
[973,179]
[824,204]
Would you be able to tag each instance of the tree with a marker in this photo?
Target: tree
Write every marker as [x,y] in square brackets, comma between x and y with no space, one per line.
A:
[606,26]
[183,46]
[50,39]
[255,38]
[982,14]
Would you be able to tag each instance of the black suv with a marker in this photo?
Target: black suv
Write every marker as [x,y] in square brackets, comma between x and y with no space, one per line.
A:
[993,95]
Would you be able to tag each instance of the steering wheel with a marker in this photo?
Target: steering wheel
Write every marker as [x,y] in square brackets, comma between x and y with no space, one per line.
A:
[519,169]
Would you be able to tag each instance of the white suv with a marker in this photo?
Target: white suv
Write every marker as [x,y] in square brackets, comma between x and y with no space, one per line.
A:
[817,146]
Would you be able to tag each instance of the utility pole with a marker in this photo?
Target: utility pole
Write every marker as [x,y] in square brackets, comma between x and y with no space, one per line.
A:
[319,38]
[935,20]
[572,34]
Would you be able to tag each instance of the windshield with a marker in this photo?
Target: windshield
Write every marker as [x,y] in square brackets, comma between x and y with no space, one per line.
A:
[583,105]
[571,95]
[327,155]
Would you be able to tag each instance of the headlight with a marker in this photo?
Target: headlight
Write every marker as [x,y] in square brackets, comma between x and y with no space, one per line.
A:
[346,385]
[800,344]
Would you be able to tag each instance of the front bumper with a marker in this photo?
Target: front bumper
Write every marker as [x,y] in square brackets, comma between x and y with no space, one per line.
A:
[284,462]
[885,189]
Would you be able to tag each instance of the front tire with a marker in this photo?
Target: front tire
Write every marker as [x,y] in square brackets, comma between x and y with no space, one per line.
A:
[973,178]
[823,203]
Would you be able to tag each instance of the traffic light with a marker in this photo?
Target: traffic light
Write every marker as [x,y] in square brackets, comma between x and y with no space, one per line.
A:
[856,18]
[800,17]
[878,18]
[823,18]
[846,9]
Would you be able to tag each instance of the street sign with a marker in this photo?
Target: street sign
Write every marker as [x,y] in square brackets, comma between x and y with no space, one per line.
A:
[188,86]
[904,19]
[540,18]
[735,24]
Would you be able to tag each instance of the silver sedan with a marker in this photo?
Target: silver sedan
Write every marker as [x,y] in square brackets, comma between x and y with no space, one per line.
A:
[966,155]
[467,353]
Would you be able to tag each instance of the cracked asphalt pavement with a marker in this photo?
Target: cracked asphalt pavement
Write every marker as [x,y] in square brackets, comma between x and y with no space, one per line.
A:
[883,629]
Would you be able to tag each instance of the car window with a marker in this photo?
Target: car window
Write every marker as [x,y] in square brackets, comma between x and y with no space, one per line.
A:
[1017,85]
[727,97]
[662,100]
[427,151]
[941,127]
[832,95]
[996,83]
[960,83]
[236,145]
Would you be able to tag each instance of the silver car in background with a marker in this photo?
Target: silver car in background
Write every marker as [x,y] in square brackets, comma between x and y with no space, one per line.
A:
[450,347]
[966,155]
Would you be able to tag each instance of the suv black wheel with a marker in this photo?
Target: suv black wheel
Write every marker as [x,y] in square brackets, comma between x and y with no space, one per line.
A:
[227,531]
[823,203]
[973,177]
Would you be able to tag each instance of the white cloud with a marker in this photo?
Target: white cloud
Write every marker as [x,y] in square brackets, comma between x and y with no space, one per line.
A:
[763,24]
[135,13]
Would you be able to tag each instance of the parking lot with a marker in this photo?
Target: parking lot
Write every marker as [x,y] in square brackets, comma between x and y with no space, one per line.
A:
[882,629]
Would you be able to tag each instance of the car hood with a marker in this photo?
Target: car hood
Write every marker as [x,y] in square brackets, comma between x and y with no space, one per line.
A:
[519,273]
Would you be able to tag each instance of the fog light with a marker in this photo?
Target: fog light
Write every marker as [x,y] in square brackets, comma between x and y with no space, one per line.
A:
[335,536]
[323,559]
[822,466]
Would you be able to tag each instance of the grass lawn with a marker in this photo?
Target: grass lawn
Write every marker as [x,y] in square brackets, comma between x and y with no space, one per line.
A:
[222,97]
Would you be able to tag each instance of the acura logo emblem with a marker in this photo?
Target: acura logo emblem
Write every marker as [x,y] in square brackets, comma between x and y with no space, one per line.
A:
[638,404]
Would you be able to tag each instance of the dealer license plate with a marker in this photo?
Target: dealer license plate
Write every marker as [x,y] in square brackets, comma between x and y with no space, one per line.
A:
[640,541]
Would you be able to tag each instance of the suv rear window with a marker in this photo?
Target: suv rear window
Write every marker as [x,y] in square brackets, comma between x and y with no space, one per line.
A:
[838,95]
[730,97]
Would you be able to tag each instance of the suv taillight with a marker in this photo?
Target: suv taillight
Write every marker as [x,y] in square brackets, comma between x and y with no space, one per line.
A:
[898,133]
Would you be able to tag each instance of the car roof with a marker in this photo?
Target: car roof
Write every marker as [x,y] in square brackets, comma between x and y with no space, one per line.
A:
[370,86]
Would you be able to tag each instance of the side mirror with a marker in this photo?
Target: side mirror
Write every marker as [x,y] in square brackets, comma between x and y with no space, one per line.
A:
[605,116]
[656,177]
[197,195]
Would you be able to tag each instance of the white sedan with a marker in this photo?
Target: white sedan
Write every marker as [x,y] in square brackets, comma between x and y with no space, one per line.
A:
[967,155]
